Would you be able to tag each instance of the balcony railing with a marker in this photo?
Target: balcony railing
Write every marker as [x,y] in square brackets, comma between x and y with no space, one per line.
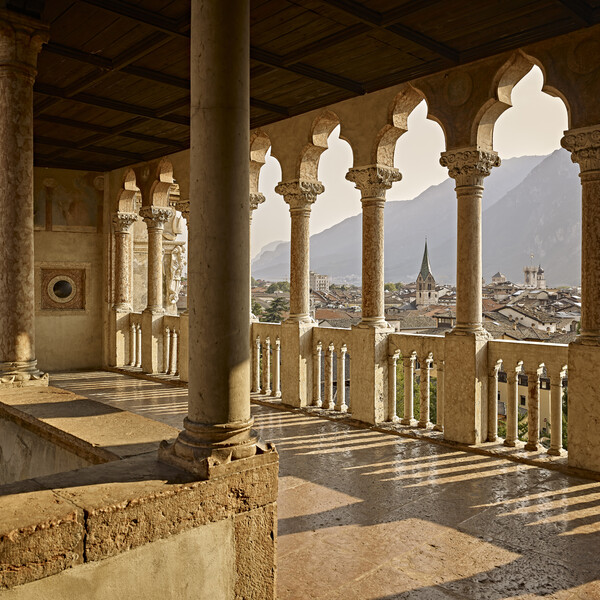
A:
[526,385]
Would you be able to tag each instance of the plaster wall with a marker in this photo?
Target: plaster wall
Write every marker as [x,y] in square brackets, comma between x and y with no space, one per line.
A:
[24,455]
[69,237]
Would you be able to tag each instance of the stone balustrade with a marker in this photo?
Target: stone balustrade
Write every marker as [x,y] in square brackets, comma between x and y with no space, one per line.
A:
[266,359]
[543,368]
[423,354]
[330,368]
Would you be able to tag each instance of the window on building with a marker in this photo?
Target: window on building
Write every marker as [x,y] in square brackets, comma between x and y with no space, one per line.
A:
[523,401]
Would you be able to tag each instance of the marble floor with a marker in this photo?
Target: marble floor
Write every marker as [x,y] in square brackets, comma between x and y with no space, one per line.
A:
[370,516]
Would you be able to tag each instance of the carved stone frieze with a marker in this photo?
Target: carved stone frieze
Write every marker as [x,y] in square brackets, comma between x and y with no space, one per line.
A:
[155,217]
[469,166]
[124,221]
[373,180]
[584,146]
[301,193]
[184,208]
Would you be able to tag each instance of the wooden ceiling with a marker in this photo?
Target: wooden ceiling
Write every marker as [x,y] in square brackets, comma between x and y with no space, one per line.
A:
[113,82]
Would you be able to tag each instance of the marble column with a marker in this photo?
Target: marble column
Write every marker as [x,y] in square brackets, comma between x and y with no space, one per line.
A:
[584,353]
[469,167]
[218,427]
[21,39]
[373,181]
[122,224]
[155,219]
[300,195]
[465,352]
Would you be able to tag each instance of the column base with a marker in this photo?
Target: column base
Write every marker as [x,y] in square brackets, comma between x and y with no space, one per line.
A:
[409,422]
[300,318]
[377,322]
[206,450]
[21,373]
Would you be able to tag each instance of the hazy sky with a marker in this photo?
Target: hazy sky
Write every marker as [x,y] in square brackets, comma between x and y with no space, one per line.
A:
[534,125]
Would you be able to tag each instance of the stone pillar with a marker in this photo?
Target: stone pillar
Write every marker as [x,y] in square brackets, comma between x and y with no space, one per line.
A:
[465,347]
[266,366]
[300,195]
[256,200]
[276,391]
[424,388]
[152,331]
[341,405]
[533,410]
[439,420]
[328,402]
[493,403]
[512,406]
[392,415]
[584,353]
[21,39]
[556,414]
[255,387]
[296,330]
[408,418]
[373,181]
[122,286]
[316,399]
[217,429]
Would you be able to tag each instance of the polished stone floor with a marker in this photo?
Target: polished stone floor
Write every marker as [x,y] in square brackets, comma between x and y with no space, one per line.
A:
[369,516]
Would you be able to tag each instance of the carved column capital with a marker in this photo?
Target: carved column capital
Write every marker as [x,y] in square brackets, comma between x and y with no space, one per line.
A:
[155,217]
[300,194]
[469,166]
[124,221]
[21,39]
[183,207]
[256,199]
[584,146]
[373,180]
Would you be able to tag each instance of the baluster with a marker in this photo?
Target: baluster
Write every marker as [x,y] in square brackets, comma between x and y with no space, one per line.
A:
[266,372]
[439,416]
[512,406]
[341,405]
[533,409]
[174,339]
[317,375]
[409,390]
[329,403]
[276,393]
[132,345]
[256,366]
[138,361]
[424,421]
[392,384]
[166,350]
[493,403]
[556,413]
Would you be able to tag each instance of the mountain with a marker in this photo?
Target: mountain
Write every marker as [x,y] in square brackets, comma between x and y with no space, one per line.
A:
[267,248]
[530,205]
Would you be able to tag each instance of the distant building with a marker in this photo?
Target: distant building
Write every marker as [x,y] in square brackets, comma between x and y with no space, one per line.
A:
[319,283]
[535,277]
[498,278]
[426,293]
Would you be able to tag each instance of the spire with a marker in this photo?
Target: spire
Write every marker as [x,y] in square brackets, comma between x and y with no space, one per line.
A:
[425,268]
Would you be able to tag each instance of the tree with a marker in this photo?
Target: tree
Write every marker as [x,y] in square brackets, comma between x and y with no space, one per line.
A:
[253,282]
[390,287]
[256,308]
[277,307]
[278,286]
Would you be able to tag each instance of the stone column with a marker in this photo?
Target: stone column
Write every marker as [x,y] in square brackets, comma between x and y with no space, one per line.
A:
[439,421]
[256,200]
[328,402]
[217,429]
[493,403]
[424,388]
[466,386]
[21,39]
[152,331]
[373,181]
[341,405]
[392,415]
[584,353]
[469,168]
[300,195]
[408,418]
[122,223]
[556,413]
[512,406]
[155,219]
[316,400]
[533,410]
[296,330]
[122,287]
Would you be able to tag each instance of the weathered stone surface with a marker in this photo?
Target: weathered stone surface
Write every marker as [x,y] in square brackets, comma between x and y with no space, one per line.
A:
[40,534]
[255,541]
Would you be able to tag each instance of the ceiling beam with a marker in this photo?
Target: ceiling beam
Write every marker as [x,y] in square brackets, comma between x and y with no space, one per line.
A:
[379,20]
[47,141]
[53,161]
[581,10]
[116,105]
[141,15]
[273,60]
[120,131]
